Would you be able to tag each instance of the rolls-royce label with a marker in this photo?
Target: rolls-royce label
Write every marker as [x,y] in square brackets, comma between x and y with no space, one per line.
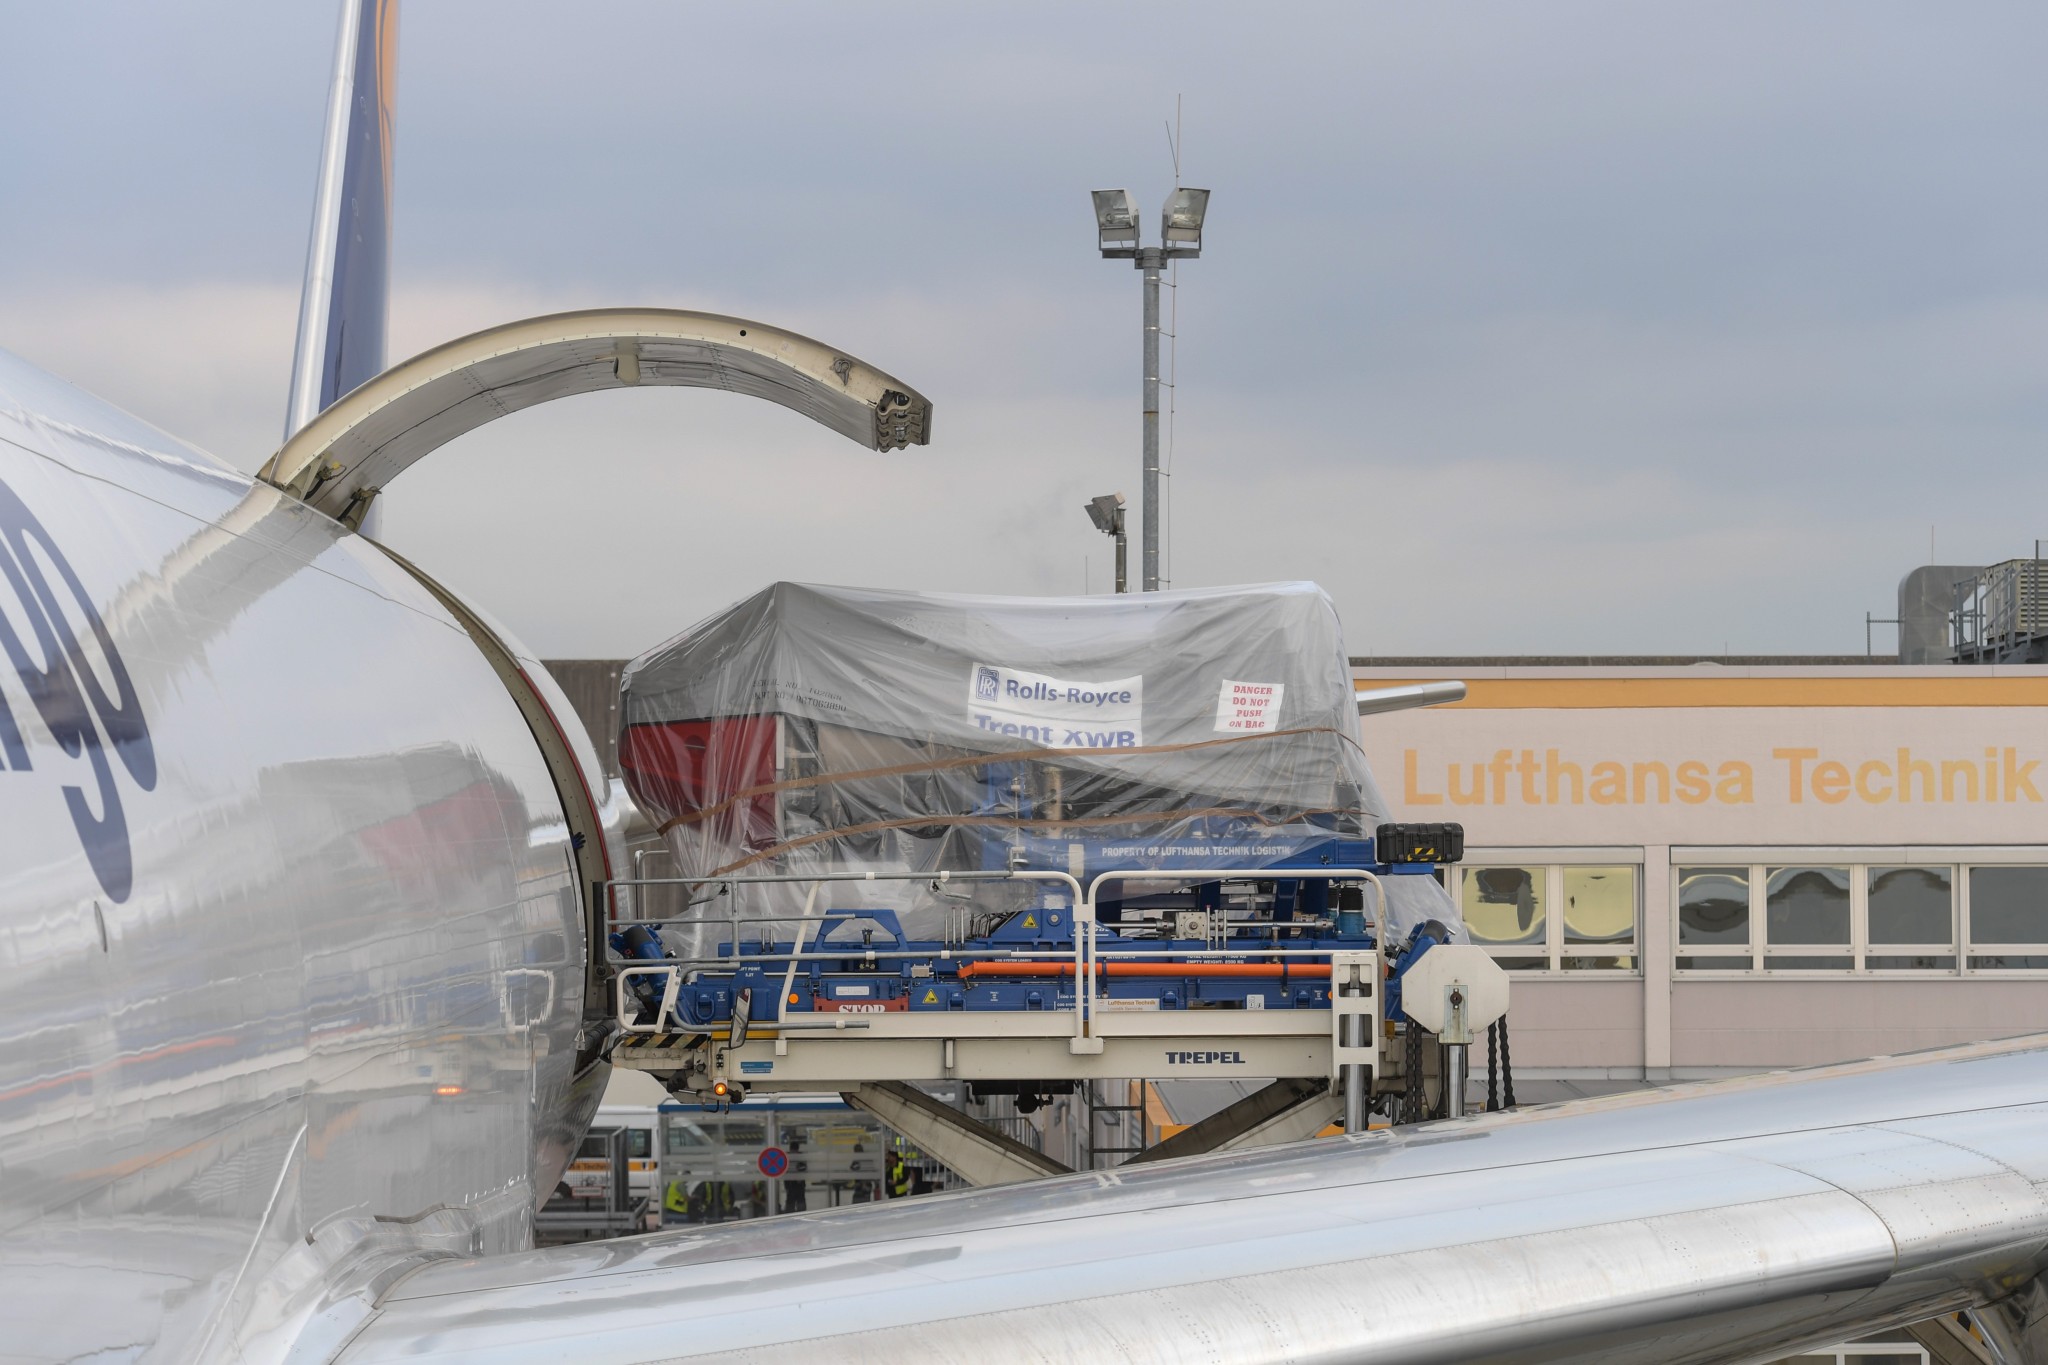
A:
[1057,713]
[74,678]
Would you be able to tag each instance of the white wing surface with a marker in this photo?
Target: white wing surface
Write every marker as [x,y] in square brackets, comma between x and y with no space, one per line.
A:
[1729,1221]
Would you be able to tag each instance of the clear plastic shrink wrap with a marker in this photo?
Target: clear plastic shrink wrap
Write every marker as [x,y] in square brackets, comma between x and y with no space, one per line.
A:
[816,729]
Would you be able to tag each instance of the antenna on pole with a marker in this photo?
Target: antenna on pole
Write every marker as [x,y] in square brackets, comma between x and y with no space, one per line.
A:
[1173,141]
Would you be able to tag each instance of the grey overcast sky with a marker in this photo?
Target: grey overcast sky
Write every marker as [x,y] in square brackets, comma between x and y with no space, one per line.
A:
[1521,328]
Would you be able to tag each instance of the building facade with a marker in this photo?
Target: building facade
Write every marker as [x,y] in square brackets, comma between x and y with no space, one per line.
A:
[1701,870]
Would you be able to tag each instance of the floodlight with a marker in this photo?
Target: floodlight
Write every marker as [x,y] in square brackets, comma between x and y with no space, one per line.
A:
[1107,512]
[1182,219]
[1116,217]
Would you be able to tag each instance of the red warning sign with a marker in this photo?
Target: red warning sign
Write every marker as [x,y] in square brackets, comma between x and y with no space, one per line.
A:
[828,1006]
[1248,707]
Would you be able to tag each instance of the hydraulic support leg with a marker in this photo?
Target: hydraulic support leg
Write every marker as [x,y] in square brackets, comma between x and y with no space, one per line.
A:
[973,1151]
[1354,1022]
[1455,1060]
[1285,1111]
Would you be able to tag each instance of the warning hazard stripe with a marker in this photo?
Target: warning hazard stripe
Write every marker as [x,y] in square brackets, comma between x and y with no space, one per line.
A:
[649,1040]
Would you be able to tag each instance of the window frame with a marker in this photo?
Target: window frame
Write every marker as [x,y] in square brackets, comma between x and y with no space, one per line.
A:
[1761,877]
[1958,915]
[1968,950]
[1860,861]
[1748,948]
[1553,949]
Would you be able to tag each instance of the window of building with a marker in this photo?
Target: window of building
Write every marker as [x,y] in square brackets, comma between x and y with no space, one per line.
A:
[1818,916]
[1713,919]
[1508,910]
[1806,919]
[1599,911]
[2008,917]
[1503,909]
[1912,919]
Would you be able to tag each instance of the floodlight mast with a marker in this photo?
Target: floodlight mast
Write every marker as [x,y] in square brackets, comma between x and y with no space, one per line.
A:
[1180,235]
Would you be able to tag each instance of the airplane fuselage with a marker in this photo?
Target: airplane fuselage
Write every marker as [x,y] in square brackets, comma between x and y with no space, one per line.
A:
[291,933]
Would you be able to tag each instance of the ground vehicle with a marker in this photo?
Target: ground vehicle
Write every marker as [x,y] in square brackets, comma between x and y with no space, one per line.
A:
[587,1176]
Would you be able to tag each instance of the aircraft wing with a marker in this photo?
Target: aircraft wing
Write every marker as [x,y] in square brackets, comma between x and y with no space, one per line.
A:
[1736,1220]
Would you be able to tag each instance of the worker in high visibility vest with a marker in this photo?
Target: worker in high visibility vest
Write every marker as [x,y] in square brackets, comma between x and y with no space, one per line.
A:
[711,1202]
[899,1177]
[675,1203]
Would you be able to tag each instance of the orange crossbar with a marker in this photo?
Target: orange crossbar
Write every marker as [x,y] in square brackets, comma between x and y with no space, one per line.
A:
[970,970]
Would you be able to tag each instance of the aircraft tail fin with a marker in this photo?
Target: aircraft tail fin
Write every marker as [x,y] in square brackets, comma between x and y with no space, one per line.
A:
[341,334]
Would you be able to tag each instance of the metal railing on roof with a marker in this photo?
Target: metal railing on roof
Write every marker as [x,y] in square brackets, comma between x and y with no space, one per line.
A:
[2001,610]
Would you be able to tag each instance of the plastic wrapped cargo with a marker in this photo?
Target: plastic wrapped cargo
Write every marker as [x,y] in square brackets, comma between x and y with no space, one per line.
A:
[816,729]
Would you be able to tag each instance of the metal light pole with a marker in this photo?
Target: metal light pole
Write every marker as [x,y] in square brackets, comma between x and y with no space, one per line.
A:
[1107,512]
[1180,235]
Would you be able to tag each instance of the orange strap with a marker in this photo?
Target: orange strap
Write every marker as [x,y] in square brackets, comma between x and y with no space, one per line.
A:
[971,970]
[971,761]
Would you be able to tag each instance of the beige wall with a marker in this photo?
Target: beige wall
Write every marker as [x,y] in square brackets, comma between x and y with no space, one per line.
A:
[1737,756]
[1764,1023]
[1593,1028]
[1570,764]
[1589,1028]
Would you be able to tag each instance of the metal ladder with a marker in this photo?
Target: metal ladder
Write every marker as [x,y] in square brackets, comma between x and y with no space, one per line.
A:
[1126,1119]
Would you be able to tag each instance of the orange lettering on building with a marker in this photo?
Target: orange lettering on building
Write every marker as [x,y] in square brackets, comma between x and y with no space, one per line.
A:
[1411,783]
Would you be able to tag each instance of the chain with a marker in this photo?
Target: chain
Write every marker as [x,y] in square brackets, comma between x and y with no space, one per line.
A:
[1507,1068]
[1411,1100]
[1492,1067]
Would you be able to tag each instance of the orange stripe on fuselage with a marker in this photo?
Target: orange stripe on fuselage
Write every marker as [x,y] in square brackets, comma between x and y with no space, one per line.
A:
[81,1073]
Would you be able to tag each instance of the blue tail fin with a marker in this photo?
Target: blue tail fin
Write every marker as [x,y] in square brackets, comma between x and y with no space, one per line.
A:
[341,333]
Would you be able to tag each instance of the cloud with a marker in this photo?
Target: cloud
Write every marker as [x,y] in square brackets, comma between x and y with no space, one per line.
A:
[207,361]
[1587,328]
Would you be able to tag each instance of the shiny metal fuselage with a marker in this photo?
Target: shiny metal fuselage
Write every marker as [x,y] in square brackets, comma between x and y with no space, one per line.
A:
[291,946]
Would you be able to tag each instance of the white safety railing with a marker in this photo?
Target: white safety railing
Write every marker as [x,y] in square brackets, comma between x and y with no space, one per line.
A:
[1086,929]
[807,922]
[1085,959]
